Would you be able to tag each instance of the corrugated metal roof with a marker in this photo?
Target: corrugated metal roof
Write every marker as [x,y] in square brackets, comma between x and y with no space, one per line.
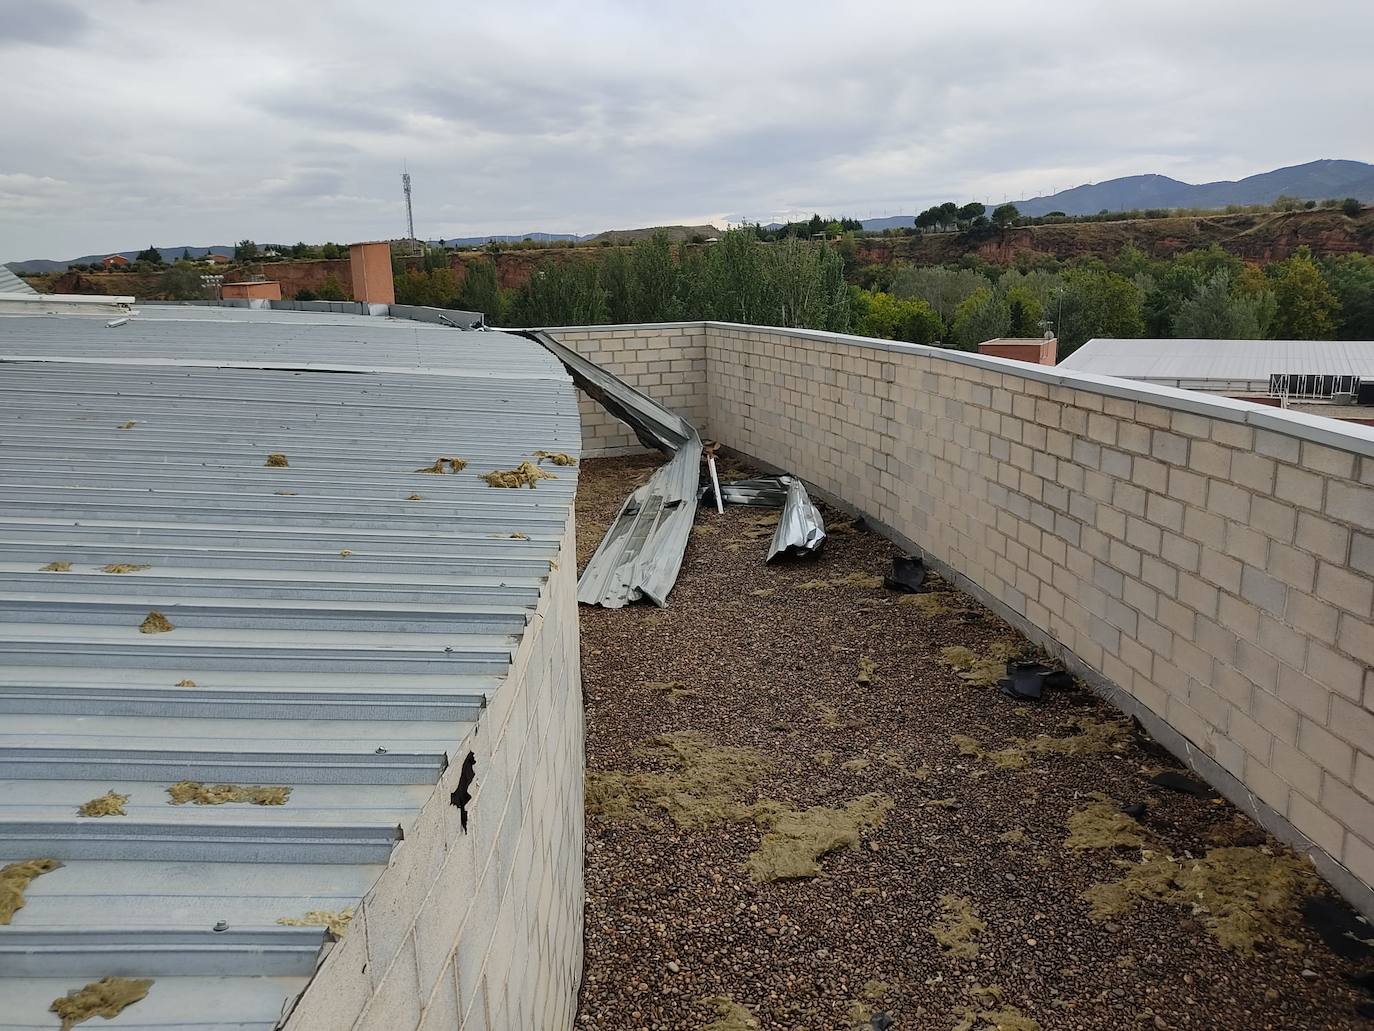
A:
[12,284]
[1172,362]
[339,636]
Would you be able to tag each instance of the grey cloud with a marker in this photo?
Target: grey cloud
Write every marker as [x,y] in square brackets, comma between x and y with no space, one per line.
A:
[52,23]
[331,111]
[530,115]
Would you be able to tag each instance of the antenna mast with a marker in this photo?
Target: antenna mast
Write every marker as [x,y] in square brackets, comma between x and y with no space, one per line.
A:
[410,215]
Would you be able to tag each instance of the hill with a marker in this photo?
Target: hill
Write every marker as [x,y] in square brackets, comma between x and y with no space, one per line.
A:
[877,225]
[678,234]
[169,255]
[1254,236]
[478,241]
[1315,180]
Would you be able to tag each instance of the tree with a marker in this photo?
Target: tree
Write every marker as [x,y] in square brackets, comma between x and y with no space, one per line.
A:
[928,219]
[1351,279]
[1004,215]
[653,286]
[181,283]
[972,211]
[878,314]
[152,256]
[331,290]
[807,286]
[1040,284]
[981,316]
[1025,310]
[245,250]
[1096,303]
[1307,309]
[1162,302]
[1352,207]
[942,288]
[1211,260]
[433,288]
[481,290]
[1217,311]
[185,254]
[562,294]
[876,275]
[735,289]
[1130,261]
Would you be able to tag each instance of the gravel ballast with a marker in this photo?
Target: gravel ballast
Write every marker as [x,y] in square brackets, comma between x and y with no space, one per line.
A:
[975,869]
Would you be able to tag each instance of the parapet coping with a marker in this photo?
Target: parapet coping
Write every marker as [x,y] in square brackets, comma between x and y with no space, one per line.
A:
[1352,437]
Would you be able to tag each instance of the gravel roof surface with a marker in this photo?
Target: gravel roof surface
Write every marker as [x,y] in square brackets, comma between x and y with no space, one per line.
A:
[959,907]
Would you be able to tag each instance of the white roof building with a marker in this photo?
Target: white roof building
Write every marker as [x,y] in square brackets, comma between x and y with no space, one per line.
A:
[1240,366]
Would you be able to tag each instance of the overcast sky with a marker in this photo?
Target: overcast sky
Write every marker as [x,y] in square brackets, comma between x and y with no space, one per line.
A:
[128,123]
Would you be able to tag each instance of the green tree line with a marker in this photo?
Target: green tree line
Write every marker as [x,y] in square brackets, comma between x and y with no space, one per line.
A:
[792,283]
[1201,294]
[798,282]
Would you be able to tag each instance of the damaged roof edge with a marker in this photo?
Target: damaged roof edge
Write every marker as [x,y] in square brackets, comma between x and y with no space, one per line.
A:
[641,553]
[657,427]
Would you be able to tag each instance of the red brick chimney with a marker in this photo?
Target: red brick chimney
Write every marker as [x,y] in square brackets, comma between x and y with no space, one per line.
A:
[370,264]
[1037,350]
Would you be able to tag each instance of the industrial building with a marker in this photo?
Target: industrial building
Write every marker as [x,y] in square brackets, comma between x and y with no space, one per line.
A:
[1334,378]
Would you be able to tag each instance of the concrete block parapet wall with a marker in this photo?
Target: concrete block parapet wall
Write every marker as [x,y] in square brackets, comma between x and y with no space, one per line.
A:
[480,927]
[1206,563]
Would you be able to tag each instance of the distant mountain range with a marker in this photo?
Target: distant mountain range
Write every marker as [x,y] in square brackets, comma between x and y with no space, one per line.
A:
[618,235]
[1315,180]
[169,255]
[477,241]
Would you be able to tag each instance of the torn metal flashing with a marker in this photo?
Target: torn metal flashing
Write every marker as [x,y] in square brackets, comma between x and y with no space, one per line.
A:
[800,530]
[762,491]
[642,551]
[656,426]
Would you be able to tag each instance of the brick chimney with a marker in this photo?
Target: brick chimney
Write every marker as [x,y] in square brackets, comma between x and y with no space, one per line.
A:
[370,264]
[1037,350]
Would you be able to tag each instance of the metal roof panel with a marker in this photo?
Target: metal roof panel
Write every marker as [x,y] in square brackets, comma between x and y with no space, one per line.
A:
[338,624]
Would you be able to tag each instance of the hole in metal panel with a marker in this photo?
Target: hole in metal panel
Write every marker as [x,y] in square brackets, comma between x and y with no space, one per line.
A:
[462,795]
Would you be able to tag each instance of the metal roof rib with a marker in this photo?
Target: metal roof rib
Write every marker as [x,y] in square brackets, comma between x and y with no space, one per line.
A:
[337,625]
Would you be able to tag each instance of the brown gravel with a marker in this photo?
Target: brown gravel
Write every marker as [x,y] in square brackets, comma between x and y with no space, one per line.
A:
[679,936]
